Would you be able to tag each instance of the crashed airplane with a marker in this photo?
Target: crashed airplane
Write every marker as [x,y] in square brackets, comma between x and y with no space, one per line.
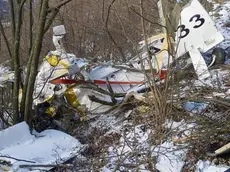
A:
[88,88]
[82,88]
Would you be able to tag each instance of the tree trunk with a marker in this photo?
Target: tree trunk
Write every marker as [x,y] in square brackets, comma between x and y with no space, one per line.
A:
[12,21]
[35,60]
[16,62]
[30,25]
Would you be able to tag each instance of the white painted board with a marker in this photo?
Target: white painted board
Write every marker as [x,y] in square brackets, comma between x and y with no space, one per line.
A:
[196,30]
[199,64]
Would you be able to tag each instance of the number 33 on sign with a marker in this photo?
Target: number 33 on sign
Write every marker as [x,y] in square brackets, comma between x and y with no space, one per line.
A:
[185,31]
[196,28]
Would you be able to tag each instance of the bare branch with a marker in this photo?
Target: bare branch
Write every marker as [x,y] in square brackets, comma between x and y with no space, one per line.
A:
[22,3]
[154,23]
[59,5]
[30,25]
[45,165]
[109,33]
[109,9]
[5,39]
[50,20]
[103,11]
[12,18]
[10,157]
[54,11]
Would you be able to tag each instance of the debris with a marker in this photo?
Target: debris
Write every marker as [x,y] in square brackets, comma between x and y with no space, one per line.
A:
[220,55]
[143,109]
[59,147]
[199,64]
[127,114]
[224,149]
[158,46]
[194,107]
[183,139]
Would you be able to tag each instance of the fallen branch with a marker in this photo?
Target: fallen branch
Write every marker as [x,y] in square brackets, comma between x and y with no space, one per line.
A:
[45,165]
[184,139]
[223,149]
[6,156]
[95,99]
[111,91]
[120,162]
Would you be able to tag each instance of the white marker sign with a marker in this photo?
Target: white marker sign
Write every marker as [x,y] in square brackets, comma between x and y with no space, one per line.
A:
[196,32]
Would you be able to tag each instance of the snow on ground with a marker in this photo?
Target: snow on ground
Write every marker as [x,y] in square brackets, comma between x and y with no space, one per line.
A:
[137,139]
[5,76]
[2,71]
[207,166]
[136,143]
[221,14]
[133,143]
[170,157]
[4,68]
[217,80]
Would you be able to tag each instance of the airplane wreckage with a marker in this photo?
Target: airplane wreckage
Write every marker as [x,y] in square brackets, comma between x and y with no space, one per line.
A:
[87,87]
[66,84]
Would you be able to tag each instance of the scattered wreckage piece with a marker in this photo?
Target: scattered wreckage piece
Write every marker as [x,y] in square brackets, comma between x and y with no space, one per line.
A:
[223,149]
[19,147]
[217,56]
[196,33]
[121,80]
[197,29]
[56,65]
[184,139]
[158,48]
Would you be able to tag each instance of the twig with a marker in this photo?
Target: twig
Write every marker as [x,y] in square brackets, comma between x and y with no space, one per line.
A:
[121,162]
[95,99]
[10,157]
[45,165]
